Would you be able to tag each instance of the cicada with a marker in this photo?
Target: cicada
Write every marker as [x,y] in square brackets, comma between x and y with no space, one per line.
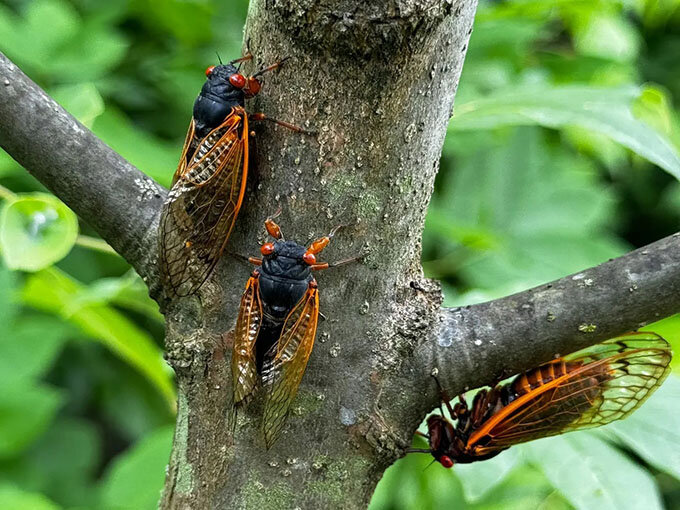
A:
[276,326]
[210,181]
[589,388]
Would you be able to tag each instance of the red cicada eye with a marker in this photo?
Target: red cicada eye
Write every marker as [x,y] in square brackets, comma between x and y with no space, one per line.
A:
[446,461]
[267,249]
[309,258]
[209,70]
[237,80]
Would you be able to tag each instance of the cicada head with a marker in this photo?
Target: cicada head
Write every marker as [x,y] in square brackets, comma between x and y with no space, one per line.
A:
[221,92]
[442,440]
[285,259]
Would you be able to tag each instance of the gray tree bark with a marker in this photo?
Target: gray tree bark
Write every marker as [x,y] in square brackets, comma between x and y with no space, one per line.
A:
[376,80]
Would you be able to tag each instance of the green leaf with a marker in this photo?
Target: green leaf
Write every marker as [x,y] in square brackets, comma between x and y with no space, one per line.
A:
[144,411]
[653,431]
[26,411]
[127,291]
[72,49]
[592,474]
[8,167]
[524,488]
[514,212]
[171,16]
[412,483]
[61,19]
[53,291]
[669,328]
[608,111]
[61,464]
[136,477]
[30,348]
[606,35]
[82,100]
[89,55]
[478,478]
[36,230]
[155,158]
[8,305]
[12,497]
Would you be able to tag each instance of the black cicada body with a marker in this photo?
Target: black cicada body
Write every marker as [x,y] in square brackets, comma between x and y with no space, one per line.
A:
[276,326]
[210,181]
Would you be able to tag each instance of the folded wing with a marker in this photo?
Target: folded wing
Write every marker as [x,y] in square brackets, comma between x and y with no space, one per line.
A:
[201,209]
[597,386]
[284,368]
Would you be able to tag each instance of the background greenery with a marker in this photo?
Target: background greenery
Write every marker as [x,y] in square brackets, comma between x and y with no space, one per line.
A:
[563,152]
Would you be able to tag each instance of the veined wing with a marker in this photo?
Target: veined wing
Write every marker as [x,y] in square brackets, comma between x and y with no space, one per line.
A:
[243,362]
[590,388]
[283,371]
[202,206]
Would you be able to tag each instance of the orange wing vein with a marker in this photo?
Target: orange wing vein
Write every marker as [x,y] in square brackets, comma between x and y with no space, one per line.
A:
[243,364]
[599,385]
[202,205]
[282,374]
[189,147]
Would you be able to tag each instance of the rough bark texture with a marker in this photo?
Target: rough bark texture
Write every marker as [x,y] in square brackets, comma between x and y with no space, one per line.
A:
[376,80]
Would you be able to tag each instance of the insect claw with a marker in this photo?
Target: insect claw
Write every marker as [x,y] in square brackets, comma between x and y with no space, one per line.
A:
[334,230]
[244,58]
[275,66]
[276,214]
[282,61]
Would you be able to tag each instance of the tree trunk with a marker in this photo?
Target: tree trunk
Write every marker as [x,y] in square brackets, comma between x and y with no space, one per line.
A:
[376,83]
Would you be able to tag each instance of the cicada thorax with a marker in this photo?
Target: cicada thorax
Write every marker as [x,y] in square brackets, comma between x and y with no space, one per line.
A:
[593,387]
[218,97]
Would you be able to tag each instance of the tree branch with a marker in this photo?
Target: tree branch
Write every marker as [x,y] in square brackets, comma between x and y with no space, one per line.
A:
[475,345]
[115,198]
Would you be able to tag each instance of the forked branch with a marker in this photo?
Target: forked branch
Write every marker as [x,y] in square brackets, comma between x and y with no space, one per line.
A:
[372,167]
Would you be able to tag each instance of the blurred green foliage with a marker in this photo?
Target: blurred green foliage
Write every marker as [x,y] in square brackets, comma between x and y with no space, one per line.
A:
[562,153]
